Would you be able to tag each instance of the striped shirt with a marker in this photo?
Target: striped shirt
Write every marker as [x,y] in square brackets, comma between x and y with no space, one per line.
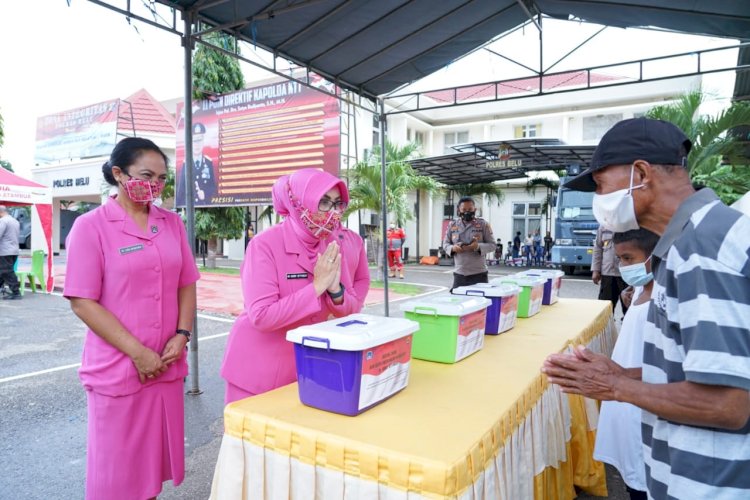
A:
[698,330]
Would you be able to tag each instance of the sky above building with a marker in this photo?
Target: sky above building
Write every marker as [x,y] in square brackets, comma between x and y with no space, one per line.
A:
[57,57]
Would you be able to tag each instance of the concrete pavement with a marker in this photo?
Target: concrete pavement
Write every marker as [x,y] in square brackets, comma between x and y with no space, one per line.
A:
[43,408]
[221,293]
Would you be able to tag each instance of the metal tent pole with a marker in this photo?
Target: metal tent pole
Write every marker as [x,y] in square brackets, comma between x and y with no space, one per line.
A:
[383,207]
[187,44]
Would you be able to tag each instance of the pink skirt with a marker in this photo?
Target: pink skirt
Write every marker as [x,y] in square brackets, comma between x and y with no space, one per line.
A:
[135,442]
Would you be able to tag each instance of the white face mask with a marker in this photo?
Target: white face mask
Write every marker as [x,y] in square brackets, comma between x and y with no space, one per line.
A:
[615,210]
[636,274]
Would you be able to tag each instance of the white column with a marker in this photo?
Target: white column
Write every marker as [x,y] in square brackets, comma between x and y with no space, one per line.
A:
[55,225]
[430,223]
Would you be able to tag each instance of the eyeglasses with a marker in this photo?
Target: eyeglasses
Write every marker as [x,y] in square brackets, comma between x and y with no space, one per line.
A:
[326,205]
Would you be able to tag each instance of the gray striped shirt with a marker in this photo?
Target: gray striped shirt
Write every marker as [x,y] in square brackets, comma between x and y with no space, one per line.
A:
[698,329]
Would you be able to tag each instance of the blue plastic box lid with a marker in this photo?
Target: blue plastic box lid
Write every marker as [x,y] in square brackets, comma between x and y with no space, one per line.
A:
[355,332]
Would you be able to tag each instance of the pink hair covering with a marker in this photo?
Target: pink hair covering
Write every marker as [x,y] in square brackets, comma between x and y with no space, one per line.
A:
[308,186]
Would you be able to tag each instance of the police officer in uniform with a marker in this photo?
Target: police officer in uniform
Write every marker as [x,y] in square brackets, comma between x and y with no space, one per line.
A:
[468,239]
[204,178]
[605,269]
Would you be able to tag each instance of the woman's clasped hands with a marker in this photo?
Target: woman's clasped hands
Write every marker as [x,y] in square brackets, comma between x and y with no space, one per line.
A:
[327,271]
[150,364]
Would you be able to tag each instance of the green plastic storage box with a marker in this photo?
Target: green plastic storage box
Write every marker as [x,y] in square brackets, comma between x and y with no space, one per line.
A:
[451,327]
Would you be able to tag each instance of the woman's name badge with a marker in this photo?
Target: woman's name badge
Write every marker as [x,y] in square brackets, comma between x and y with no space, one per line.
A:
[296,276]
[131,249]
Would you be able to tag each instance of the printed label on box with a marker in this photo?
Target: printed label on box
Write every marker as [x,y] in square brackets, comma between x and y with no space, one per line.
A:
[470,333]
[555,293]
[508,313]
[535,299]
[385,371]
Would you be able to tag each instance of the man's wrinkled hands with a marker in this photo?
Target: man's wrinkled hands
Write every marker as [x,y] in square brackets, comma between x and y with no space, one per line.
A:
[584,372]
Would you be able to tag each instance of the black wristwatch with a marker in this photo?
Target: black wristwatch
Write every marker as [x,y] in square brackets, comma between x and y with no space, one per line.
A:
[338,294]
[186,333]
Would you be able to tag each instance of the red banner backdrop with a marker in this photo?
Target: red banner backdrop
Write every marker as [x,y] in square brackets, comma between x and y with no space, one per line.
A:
[251,137]
[77,133]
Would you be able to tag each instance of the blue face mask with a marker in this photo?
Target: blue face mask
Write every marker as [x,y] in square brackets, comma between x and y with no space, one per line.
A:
[636,274]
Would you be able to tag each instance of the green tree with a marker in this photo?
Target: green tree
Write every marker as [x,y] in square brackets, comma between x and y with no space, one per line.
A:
[715,159]
[213,224]
[169,186]
[4,164]
[491,190]
[551,187]
[215,72]
[400,179]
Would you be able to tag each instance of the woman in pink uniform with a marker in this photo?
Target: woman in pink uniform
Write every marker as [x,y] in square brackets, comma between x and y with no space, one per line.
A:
[299,272]
[131,278]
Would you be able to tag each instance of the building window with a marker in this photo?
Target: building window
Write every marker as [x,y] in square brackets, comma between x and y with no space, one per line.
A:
[594,127]
[527,131]
[454,138]
[527,218]
[419,137]
[375,130]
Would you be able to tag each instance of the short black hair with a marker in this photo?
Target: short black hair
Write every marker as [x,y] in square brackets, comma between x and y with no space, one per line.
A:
[126,153]
[465,199]
[641,238]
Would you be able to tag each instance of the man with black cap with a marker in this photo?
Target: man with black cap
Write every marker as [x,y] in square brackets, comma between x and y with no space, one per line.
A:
[695,381]
[204,178]
[468,239]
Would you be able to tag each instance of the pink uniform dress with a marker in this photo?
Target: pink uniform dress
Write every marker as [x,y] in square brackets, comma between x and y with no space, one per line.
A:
[135,430]
[277,286]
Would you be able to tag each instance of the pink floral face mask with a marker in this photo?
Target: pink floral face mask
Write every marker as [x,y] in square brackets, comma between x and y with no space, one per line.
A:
[320,224]
[143,191]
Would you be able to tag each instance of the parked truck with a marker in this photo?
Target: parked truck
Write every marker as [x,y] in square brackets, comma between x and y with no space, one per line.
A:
[575,230]
[23,216]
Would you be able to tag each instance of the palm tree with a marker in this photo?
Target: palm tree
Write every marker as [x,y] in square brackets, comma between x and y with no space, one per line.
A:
[215,72]
[4,164]
[401,179]
[492,191]
[551,186]
[712,144]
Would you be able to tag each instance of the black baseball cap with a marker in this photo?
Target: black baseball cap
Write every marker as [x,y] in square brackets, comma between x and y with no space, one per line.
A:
[655,141]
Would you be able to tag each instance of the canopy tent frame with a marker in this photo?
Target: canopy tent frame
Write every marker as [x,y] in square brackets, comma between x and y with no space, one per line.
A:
[437,55]
[400,102]
[18,191]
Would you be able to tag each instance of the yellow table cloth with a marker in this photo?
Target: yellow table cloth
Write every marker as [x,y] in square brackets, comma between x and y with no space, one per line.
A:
[487,427]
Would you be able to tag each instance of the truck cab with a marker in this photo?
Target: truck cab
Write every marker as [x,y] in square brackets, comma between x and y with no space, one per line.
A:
[575,230]
[23,216]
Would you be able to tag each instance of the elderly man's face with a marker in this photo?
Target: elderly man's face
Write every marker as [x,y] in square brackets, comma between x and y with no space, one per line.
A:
[613,178]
